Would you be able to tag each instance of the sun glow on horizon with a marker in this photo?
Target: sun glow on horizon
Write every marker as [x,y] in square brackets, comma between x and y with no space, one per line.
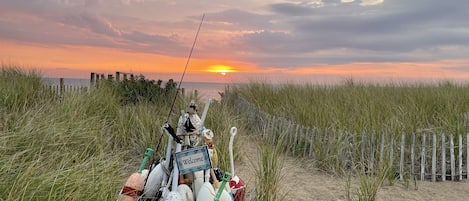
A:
[221,69]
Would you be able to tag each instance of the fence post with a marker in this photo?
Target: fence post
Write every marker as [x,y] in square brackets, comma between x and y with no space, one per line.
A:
[401,163]
[434,158]
[381,149]
[422,159]
[372,151]
[354,144]
[443,157]
[97,80]
[62,87]
[305,136]
[275,128]
[391,151]
[451,152]
[290,134]
[265,129]
[295,142]
[466,121]
[460,157]
[347,152]
[412,157]
[362,145]
[311,144]
[269,128]
[91,78]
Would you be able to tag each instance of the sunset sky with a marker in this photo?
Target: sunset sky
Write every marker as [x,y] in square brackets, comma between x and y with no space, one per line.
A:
[240,40]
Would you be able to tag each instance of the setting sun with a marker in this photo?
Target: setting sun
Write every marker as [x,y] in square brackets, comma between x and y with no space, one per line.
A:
[221,69]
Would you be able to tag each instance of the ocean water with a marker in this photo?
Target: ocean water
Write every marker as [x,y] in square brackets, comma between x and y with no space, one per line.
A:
[205,90]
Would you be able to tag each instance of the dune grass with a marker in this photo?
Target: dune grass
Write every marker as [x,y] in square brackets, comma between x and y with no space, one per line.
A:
[14,80]
[269,170]
[62,150]
[368,185]
[84,145]
[355,107]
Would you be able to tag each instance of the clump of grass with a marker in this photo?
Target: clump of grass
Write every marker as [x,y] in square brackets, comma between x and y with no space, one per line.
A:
[269,172]
[20,90]
[220,119]
[368,187]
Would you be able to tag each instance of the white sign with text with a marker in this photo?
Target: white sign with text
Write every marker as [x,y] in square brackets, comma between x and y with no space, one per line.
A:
[192,160]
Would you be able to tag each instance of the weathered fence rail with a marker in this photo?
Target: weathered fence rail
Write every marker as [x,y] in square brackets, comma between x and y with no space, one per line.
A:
[62,88]
[95,78]
[421,156]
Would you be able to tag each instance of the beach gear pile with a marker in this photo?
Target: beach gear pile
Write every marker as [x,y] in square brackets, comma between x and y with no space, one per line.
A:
[189,170]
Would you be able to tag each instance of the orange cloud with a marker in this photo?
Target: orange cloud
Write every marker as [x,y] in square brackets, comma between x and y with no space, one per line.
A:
[80,61]
[87,58]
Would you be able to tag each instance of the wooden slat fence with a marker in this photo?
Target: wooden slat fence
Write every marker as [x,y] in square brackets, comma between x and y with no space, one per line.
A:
[58,89]
[95,78]
[421,156]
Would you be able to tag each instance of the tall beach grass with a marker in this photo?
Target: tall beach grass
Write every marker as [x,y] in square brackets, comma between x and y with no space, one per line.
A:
[269,170]
[355,107]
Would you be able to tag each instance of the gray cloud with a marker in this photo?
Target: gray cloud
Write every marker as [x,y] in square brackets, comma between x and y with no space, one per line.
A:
[390,31]
[91,3]
[91,22]
[237,19]
[292,9]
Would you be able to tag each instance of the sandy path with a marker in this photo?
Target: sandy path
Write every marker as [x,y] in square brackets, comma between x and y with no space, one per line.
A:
[303,182]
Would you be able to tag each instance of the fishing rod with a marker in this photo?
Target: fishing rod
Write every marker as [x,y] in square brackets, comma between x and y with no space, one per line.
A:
[167,127]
